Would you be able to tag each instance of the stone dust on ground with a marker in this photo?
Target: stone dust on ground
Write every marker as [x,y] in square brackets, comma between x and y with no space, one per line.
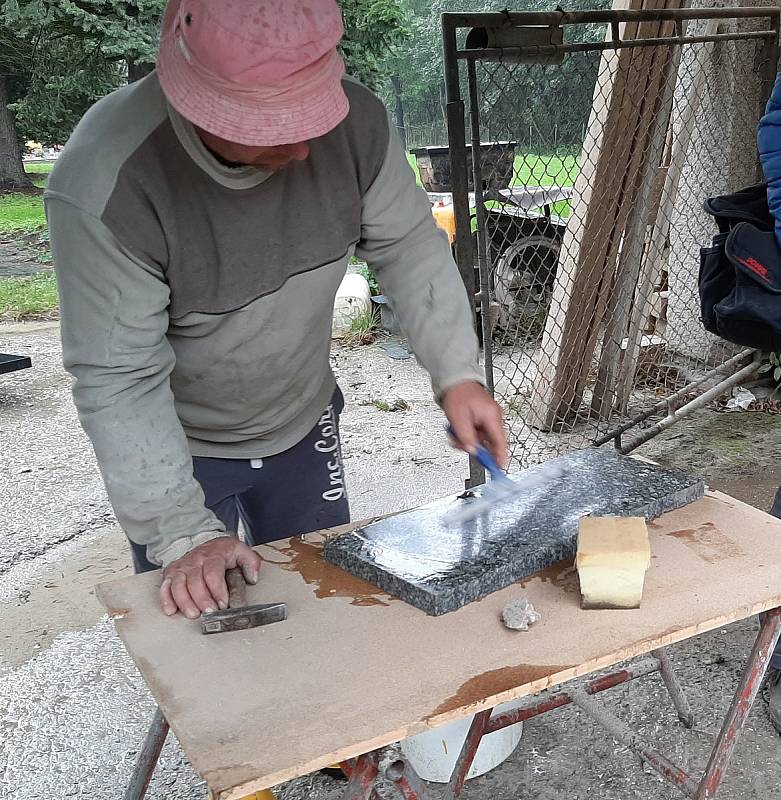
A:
[73,709]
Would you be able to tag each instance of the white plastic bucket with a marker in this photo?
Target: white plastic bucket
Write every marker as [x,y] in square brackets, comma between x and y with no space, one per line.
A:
[433,754]
[353,299]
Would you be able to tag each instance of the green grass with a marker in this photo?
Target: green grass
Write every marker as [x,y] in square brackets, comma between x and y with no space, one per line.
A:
[530,169]
[535,170]
[21,213]
[25,298]
[363,329]
[399,404]
[39,171]
[39,166]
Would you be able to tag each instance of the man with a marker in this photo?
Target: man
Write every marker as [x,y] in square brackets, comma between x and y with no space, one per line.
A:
[769,144]
[201,221]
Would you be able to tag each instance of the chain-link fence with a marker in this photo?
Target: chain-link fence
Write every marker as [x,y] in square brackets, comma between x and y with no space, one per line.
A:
[581,235]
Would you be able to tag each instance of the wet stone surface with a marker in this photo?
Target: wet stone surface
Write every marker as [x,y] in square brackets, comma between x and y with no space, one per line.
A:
[438,568]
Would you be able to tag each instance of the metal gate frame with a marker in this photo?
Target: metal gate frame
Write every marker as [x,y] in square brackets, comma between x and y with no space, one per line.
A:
[728,374]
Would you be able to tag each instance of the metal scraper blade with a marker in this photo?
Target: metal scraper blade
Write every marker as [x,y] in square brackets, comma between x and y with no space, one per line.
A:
[498,491]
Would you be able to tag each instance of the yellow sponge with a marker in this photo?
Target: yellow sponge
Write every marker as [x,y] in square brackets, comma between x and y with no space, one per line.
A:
[613,556]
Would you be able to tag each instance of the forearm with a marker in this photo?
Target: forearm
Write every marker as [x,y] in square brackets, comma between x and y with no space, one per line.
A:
[413,263]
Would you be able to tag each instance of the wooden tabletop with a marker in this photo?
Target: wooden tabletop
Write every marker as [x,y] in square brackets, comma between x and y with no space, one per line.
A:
[353,669]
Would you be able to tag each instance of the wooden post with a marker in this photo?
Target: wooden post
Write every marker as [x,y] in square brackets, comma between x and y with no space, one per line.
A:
[655,255]
[642,199]
[612,155]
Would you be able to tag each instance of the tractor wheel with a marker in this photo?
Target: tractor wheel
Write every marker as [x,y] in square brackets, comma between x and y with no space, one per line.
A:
[522,286]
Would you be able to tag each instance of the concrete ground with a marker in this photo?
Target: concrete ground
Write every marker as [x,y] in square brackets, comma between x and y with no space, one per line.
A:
[73,709]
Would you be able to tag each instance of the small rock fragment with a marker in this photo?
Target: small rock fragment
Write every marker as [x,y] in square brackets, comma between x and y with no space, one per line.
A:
[519,614]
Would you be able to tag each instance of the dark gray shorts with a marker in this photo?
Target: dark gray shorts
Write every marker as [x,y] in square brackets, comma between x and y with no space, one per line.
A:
[295,492]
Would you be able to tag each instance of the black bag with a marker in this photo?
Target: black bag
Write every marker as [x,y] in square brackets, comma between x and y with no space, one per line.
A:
[740,273]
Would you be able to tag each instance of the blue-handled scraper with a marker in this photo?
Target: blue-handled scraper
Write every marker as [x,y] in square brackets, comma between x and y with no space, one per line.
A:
[500,488]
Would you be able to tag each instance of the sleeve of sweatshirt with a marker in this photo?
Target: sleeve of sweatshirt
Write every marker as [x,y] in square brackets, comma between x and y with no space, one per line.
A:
[412,261]
[769,145]
[114,320]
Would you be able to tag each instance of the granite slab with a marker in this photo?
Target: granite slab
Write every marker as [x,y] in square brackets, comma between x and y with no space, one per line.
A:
[438,568]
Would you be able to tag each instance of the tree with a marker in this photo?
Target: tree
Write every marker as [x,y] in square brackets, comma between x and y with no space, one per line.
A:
[85,48]
[60,56]
[373,28]
[14,58]
[57,57]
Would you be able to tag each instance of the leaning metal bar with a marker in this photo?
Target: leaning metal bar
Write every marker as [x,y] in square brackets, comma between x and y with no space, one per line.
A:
[467,755]
[147,758]
[407,781]
[669,402]
[624,734]
[769,634]
[363,775]
[639,669]
[508,53]
[554,18]
[482,244]
[674,688]
[456,134]
[698,402]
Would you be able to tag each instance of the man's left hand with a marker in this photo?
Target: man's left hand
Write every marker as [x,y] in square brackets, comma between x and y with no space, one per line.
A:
[476,419]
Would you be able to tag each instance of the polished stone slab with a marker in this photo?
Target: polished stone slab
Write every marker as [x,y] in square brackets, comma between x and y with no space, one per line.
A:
[417,557]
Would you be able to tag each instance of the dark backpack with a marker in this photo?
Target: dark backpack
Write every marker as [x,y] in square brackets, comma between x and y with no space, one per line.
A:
[740,273]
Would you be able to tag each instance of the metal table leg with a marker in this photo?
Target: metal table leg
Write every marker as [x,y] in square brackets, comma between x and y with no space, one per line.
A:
[674,688]
[468,753]
[147,757]
[362,773]
[750,682]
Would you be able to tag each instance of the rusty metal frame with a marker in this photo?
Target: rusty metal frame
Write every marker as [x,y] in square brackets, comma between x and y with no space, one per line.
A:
[453,23]
[148,757]
[363,772]
[706,787]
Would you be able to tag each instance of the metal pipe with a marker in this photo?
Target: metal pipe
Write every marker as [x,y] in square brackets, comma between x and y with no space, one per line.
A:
[509,54]
[482,252]
[670,401]
[693,405]
[147,757]
[363,774]
[762,652]
[467,754]
[455,20]
[674,688]
[401,774]
[626,736]
[456,134]
[637,670]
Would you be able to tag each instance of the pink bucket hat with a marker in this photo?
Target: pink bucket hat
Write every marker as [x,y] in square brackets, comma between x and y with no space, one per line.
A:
[256,72]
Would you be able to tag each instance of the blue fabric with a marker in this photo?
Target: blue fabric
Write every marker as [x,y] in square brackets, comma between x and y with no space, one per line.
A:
[769,144]
[775,662]
[295,492]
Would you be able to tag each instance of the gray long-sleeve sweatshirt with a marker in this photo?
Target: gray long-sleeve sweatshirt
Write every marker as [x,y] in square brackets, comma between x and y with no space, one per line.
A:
[196,298]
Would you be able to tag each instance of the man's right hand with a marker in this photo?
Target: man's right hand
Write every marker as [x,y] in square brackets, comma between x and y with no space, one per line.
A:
[195,583]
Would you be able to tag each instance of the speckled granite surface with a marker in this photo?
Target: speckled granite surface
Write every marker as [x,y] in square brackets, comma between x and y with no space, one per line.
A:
[437,568]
